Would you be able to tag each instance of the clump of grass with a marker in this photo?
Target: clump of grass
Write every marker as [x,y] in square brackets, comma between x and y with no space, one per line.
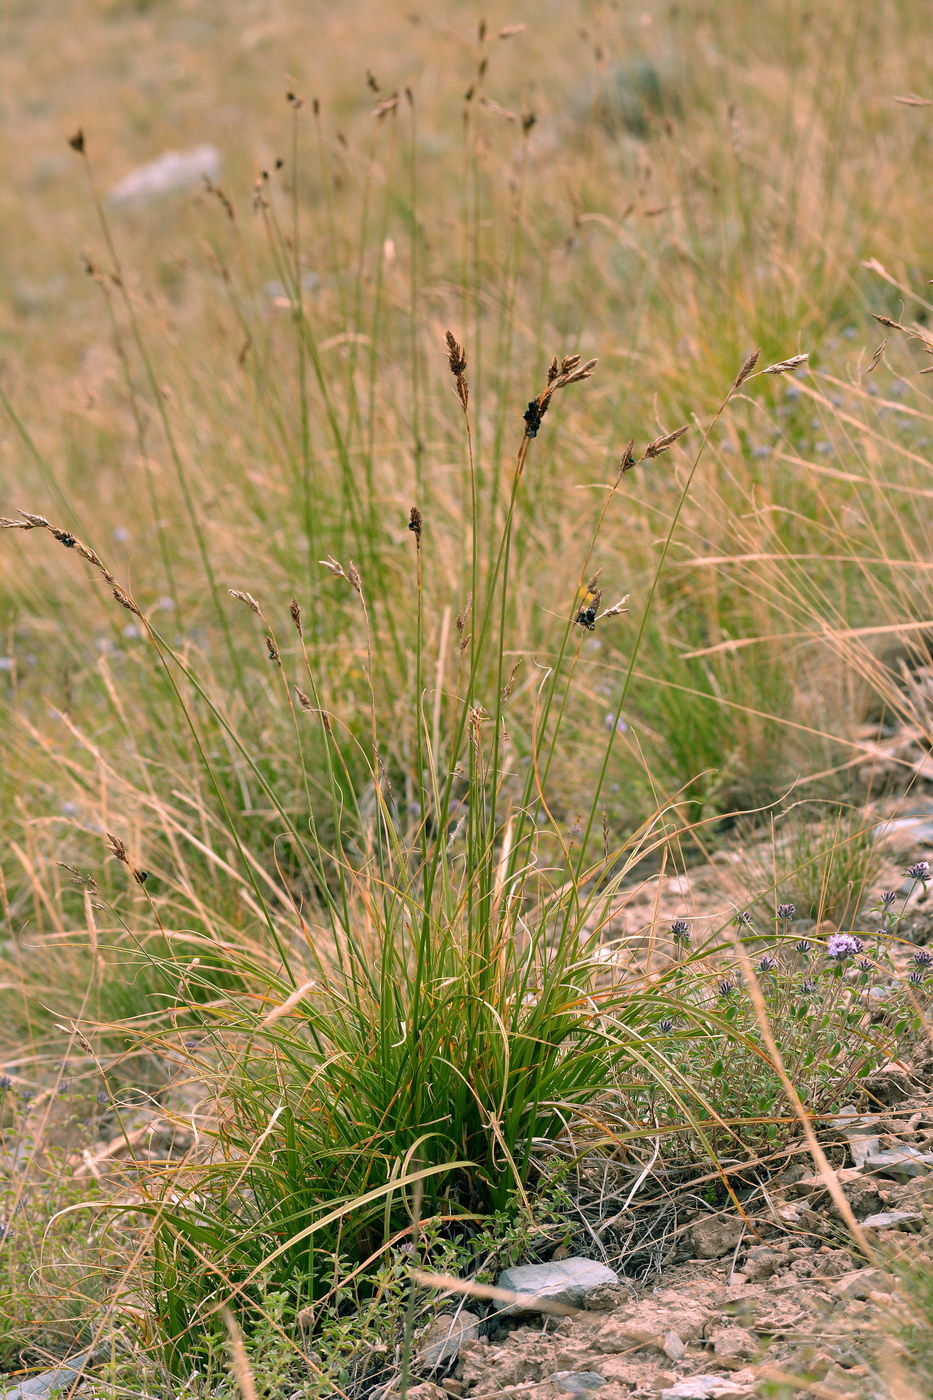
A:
[440,1007]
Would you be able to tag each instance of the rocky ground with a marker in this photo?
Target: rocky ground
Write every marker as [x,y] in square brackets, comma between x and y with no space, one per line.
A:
[777,1300]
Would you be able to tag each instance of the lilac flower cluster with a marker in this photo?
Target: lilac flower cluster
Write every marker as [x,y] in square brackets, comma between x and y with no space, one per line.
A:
[844,945]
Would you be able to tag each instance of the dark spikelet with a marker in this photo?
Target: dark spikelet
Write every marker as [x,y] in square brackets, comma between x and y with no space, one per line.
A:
[295,613]
[303,699]
[886,321]
[273,651]
[76,142]
[415,522]
[748,365]
[456,360]
[628,460]
[455,356]
[662,443]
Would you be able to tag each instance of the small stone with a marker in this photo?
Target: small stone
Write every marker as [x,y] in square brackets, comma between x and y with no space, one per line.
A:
[712,1236]
[706,1388]
[567,1282]
[900,1162]
[674,1346]
[894,1220]
[733,1343]
[889,1084]
[761,1263]
[856,1285]
[858,1130]
[577,1382]
[443,1339]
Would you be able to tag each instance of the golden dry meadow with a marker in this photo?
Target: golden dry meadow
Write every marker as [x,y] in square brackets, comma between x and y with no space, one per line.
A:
[465,570]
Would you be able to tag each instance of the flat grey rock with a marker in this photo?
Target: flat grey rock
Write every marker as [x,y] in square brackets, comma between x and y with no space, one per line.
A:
[566,1281]
[893,1220]
[899,1162]
[168,173]
[47,1383]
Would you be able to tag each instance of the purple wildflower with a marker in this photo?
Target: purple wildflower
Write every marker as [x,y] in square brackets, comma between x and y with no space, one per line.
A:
[920,870]
[786,911]
[665,1025]
[767,963]
[923,957]
[917,978]
[744,918]
[5,1082]
[726,987]
[681,931]
[844,945]
[865,965]
[888,898]
[803,945]
[807,987]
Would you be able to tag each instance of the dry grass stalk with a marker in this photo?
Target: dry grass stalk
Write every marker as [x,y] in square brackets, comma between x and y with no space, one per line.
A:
[238,1358]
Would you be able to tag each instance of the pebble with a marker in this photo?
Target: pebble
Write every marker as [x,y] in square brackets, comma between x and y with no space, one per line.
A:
[442,1341]
[577,1382]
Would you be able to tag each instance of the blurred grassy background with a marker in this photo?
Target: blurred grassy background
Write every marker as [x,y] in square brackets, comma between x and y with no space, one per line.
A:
[697,180]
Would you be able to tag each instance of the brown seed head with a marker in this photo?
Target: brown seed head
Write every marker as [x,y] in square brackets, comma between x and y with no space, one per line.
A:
[748,365]
[666,440]
[877,357]
[455,356]
[783,366]
[886,321]
[628,460]
[117,848]
[76,142]
[353,574]
[125,601]
[303,699]
[295,612]
[273,651]
[415,522]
